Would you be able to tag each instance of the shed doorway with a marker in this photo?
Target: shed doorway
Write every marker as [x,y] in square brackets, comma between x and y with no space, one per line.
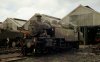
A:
[91,34]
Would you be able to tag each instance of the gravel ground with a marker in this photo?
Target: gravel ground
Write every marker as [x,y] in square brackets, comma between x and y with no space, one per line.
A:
[80,57]
[83,55]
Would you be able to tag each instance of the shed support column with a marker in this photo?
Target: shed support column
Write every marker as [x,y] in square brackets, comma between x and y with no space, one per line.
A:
[85,35]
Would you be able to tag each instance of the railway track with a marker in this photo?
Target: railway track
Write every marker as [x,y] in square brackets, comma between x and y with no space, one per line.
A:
[11,57]
[11,54]
[9,50]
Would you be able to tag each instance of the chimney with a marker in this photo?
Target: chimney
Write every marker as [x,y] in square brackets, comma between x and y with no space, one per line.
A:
[38,17]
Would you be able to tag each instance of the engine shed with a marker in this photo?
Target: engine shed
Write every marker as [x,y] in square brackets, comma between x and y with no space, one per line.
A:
[91,34]
[87,19]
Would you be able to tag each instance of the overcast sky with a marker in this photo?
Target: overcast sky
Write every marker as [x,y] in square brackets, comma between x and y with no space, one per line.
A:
[25,9]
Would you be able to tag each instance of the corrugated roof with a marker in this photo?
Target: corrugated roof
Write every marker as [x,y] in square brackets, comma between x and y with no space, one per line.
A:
[89,7]
[92,9]
[51,17]
[47,16]
[18,22]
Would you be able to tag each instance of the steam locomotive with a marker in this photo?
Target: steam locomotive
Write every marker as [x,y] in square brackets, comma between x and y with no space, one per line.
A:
[46,38]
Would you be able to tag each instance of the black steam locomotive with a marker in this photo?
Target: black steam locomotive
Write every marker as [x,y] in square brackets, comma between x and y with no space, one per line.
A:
[46,38]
